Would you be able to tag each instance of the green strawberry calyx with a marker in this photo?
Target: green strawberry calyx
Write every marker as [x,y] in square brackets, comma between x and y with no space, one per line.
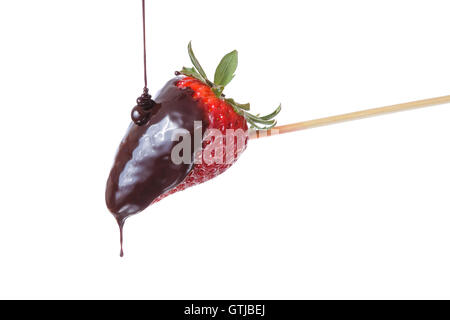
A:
[222,77]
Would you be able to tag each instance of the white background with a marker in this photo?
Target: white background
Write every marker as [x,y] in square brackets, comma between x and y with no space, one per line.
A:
[355,210]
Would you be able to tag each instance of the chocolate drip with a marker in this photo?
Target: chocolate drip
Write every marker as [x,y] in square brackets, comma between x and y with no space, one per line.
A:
[143,169]
[140,114]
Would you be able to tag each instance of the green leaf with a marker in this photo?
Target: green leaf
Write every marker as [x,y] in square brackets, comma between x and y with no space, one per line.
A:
[195,62]
[226,68]
[223,76]
[256,119]
[218,90]
[254,125]
[273,114]
[191,72]
[245,106]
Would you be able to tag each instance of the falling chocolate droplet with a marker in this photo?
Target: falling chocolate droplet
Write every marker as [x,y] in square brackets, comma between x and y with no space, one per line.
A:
[121,222]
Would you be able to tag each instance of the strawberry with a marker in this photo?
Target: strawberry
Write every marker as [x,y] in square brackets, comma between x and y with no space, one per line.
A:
[144,172]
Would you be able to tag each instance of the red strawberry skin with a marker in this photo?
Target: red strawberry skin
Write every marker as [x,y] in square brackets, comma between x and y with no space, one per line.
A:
[218,115]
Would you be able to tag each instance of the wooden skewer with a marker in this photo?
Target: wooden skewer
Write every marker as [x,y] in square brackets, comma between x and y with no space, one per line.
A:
[349,116]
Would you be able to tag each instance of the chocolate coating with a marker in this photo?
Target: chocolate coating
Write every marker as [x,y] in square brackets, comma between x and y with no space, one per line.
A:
[143,169]
[139,115]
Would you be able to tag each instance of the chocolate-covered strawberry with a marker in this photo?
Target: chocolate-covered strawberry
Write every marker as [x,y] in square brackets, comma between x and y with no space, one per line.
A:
[189,105]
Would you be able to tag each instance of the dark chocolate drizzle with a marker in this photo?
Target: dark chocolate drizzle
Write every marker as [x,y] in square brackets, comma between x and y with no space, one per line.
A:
[140,114]
[143,169]
[145,100]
